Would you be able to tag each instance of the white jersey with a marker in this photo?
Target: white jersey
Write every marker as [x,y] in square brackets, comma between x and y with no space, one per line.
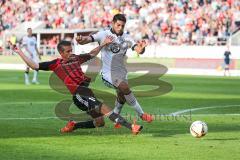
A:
[30,43]
[113,55]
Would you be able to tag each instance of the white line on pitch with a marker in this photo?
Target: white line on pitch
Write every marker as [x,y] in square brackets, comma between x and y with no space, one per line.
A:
[47,118]
[37,102]
[30,118]
[202,108]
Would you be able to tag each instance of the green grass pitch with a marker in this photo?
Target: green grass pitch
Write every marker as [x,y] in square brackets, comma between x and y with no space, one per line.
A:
[28,129]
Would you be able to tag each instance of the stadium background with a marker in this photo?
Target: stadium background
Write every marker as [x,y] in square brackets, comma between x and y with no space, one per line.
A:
[196,30]
[187,36]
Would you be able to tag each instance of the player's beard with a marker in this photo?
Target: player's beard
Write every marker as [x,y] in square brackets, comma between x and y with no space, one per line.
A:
[119,32]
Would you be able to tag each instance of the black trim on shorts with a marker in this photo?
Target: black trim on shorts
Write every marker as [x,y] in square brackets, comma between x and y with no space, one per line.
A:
[88,104]
[107,83]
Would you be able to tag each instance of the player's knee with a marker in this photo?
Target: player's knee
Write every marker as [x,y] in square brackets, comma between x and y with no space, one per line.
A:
[121,99]
[124,88]
[99,122]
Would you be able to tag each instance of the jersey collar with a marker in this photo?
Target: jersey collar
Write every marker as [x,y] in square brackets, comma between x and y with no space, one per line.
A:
[112,31]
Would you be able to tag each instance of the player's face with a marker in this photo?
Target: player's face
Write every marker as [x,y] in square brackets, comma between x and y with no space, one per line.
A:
[118,26]
[67,51]
[29,32]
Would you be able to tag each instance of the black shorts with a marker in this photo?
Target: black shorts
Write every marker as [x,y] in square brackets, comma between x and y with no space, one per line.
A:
[85,100]
[227,61]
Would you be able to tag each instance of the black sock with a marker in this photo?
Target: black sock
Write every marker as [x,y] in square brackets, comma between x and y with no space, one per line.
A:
[86,124]
[119,119]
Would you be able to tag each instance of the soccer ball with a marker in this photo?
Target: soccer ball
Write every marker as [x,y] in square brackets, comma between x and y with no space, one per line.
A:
[198,129]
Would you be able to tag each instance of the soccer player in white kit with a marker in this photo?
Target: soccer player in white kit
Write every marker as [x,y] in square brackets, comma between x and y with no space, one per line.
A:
[29,42]
[114,72]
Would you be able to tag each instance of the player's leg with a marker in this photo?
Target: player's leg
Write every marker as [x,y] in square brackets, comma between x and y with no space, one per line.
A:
[35,72]
[83,103]
[35,77]
[99,109]
[89,103]
[104,110]
[97,119]
[116,118]
[86,101]
[26,76]
[119,102]
[72,125]
[226,70]
[132,101]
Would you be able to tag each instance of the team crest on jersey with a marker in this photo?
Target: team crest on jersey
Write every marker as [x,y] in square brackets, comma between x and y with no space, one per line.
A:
[115,47]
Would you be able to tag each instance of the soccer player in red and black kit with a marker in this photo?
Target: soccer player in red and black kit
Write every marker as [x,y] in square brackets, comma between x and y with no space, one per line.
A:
[68,69]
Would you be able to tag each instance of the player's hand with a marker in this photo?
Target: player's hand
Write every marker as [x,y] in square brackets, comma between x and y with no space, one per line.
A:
[108,40]
[14,48]
[142,44]
[79,39]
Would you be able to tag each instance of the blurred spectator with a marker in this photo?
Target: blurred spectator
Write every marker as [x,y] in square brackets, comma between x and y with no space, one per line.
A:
[13,39]
[53,42]
[174,22]
[227,61]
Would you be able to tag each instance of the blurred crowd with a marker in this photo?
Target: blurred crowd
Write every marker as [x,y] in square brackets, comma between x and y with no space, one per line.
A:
[166,22]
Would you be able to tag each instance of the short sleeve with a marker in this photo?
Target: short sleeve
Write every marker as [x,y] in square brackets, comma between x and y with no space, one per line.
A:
[131,42]
[99,36]
[24,41]
[49,65]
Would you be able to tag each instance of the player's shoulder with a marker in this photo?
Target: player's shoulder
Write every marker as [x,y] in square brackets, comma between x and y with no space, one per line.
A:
[25,37]
[128,37]
[103,30]
[33,38]
[126,34]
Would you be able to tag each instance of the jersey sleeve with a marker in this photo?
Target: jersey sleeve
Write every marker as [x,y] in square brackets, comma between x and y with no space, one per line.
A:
[35,41]
[99,36]
[49,65]
[132,43]
[24,41]
[84,58]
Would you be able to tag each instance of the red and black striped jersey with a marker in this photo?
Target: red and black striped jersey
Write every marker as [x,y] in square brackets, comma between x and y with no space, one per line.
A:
[70,72]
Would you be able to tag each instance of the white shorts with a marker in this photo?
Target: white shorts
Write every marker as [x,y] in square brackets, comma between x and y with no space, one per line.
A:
[113,81]
[34,59]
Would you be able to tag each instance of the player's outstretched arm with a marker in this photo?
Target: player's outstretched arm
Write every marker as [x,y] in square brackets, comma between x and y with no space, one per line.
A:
[27,60]
[83,39]
[108,40]
[140,47]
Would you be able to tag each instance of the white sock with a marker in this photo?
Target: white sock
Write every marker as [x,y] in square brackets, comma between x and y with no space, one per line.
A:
[35,73]
[118,107]
[26,76]
[132,101]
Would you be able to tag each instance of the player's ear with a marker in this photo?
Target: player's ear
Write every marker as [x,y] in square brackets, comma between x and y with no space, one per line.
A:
[113,22]
[61,51]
